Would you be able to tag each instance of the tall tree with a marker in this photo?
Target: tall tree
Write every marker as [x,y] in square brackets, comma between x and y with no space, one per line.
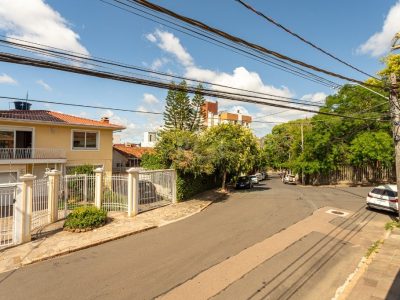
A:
[177,108]
[233,149]
[197,113]
[183,113]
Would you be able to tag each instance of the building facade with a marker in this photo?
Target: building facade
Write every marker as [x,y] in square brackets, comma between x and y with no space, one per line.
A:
[127,156]
[33,141]
[213,117]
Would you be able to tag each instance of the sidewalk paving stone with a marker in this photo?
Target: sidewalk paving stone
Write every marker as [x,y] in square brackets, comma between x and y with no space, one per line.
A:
[381,279]
[63,242]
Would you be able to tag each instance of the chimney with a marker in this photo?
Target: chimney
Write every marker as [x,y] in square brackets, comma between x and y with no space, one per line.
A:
[105,120]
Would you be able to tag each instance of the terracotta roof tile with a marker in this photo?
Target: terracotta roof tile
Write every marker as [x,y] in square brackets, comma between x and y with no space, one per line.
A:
[53,117]
[132,151]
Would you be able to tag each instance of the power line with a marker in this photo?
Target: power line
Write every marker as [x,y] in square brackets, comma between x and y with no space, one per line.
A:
[205,36]
[241,41]
[17,59]
[82,105]
[60,53]
[269,19]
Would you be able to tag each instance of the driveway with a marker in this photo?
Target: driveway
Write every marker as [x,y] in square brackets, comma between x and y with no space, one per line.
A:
[159,261]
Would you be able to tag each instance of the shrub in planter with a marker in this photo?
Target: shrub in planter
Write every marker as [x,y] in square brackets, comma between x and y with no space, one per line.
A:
[85,218]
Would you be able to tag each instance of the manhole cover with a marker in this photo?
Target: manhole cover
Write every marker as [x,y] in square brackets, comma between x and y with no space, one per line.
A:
[337,212]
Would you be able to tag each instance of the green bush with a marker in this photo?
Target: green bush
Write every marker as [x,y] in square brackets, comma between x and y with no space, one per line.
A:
[86,217]
[82,169]
[188,185]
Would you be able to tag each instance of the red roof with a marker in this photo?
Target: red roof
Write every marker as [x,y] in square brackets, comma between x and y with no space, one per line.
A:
[132,150]
[46,116]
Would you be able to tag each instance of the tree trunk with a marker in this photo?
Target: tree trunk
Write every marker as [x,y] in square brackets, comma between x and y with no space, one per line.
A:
[224,181]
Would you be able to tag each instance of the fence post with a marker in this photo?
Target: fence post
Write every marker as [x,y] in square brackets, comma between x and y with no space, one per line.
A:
[133,192]
[98,190]
[23,209]
[173,187]
[53,185]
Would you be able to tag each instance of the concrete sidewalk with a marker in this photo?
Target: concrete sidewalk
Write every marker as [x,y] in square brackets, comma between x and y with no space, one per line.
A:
[381,279]
[63,242]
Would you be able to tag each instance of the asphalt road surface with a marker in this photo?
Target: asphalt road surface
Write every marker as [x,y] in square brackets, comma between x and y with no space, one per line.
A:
[150,264]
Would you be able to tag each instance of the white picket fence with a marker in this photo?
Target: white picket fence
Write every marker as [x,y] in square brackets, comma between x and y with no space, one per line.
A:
[7,208]
[29,206]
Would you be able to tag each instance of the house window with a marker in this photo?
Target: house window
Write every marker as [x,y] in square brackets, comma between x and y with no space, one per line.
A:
[85,140]
[6,139]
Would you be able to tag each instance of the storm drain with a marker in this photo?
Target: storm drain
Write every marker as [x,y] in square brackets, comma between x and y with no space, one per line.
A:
[337,213]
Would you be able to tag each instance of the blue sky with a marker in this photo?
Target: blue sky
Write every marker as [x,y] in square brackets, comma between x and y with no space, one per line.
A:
[356,31]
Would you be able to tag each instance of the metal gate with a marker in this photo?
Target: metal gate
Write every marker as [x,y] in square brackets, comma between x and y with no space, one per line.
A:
[7,200]
[74,191]
[40,212]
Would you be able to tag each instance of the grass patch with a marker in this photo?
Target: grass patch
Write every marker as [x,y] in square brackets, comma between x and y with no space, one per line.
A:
[373,248]
[391,225]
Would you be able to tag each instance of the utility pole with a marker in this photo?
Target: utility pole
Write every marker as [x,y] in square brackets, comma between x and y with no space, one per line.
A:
[395,112]
[302,150]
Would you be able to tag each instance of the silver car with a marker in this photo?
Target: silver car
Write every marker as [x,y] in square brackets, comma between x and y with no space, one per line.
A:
[384,197]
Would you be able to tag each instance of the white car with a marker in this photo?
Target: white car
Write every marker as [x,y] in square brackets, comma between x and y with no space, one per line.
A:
[254,179]
[289,179]
[259,176]
[384,197]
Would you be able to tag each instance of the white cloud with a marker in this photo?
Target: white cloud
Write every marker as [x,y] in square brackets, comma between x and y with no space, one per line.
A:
[239,109]
[44,85]
[171,44]
[133,131]
[316,97]
[39,22]
[380,42]
[6,79]
[151,37]
[158,63]
[150,99]
[241,78]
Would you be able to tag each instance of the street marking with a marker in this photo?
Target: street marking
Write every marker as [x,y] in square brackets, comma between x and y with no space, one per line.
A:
[213,280]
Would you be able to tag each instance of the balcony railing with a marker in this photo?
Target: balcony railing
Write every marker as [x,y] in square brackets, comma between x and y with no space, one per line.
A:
[32,153]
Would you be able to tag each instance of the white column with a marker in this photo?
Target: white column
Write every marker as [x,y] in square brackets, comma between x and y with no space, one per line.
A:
[173,187]
[53,181]
[23,209]
[133,192]
[98,191]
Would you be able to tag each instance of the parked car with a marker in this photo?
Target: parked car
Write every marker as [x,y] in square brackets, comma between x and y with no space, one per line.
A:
[259,176]
[289,179]
[384,197]
[244,182]
[264,175]
[254,179]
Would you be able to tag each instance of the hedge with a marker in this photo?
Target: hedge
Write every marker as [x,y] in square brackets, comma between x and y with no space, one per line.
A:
[188,185]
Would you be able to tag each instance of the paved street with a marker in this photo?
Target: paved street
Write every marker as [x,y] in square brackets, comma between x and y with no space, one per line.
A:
[161,261]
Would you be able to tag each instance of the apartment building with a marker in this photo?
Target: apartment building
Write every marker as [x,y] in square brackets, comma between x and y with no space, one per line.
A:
[213,117]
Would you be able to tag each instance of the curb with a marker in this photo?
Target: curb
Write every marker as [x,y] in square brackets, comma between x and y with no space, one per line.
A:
[85,247]
[68,251]
[106,240]
[344,290]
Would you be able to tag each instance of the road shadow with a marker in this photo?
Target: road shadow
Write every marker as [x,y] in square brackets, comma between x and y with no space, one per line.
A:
[256,188]
[391,214]
[394,291]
